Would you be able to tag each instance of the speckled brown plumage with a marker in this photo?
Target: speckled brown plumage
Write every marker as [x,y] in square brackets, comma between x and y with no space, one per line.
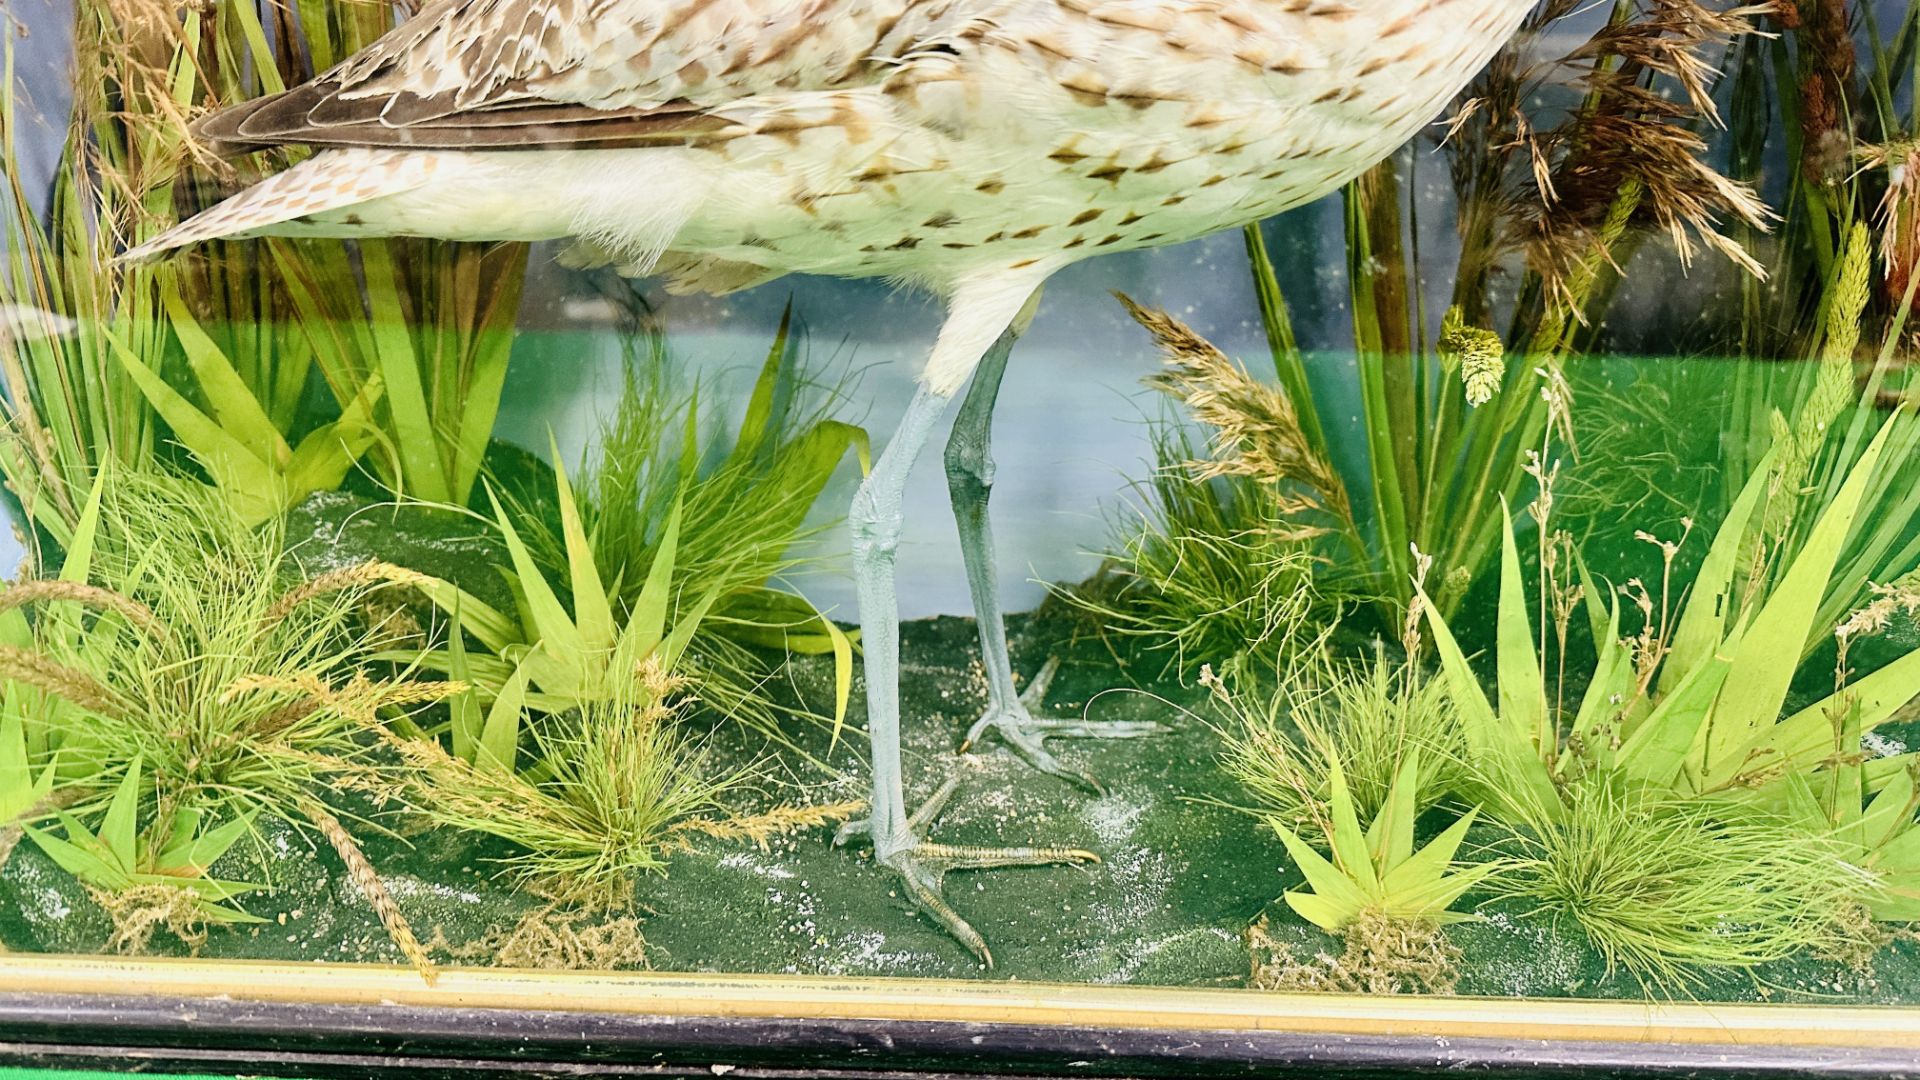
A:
[727,142]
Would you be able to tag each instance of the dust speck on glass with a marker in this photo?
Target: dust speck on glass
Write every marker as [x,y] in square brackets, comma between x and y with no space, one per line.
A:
[1348,496]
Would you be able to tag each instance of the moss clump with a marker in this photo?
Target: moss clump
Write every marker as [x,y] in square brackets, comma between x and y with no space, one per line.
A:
[1379,955]
[554,939]
[139,912]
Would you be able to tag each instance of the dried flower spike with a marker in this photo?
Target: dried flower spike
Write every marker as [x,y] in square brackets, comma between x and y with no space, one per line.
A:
[1476,353]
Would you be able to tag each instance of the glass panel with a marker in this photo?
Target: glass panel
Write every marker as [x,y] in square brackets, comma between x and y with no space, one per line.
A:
[493,502]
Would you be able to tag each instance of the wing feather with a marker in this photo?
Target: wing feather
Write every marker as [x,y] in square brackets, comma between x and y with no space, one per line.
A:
[501,74]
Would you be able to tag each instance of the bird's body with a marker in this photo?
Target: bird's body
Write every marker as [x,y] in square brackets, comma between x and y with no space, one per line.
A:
[971,147]
[728,142]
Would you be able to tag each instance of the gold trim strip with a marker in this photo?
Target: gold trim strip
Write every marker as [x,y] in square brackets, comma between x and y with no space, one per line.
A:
[1131,1008]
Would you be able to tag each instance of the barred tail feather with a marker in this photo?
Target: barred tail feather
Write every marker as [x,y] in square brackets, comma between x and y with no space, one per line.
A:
[327,181]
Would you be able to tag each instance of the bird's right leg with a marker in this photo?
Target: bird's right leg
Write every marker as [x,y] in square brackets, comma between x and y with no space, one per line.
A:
[874,520]
[1009,712]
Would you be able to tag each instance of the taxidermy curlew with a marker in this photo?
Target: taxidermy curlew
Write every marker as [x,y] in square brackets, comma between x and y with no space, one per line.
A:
[971,147]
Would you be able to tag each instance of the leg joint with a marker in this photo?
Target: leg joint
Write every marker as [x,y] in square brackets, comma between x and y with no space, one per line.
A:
[969,462]
[874,522]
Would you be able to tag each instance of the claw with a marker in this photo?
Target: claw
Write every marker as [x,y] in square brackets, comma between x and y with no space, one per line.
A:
[1026,736]
[923,867]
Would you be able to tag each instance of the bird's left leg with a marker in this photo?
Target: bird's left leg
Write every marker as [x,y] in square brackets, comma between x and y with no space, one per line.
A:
[969,461]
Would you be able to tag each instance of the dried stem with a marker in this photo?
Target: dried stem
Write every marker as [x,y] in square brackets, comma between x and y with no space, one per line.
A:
[371,574]
[37,670]
[367,880]
[38,591]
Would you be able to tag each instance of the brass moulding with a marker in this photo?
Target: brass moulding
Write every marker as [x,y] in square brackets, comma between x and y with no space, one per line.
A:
[931,1001]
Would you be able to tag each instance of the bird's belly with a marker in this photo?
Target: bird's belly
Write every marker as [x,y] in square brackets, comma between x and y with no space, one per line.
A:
[934,213]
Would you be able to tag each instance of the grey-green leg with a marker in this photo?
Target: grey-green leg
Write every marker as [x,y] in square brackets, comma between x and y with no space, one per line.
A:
[875,523]
[969,461]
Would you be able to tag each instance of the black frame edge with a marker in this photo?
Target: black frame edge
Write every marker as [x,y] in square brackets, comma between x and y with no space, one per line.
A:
[139,1033]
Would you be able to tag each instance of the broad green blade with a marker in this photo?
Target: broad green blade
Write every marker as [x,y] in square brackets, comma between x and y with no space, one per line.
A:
[647,622]
[1890,812]
[253,485]
[591,612]
[1523,701]
[234,406]
[1476,713]
[1703,625]
[464,707]
[689,624]
[1764,665]
[1509,771]
[85,863]
[323,458]
[1613,684]
[1807,735]
[1321,911]
[19,791]
[1390,835]
[499,745]
[78,563]
[424,476]
[1431,898]
[1430,863]
[552,626]
[207,849]
[119,829]
[1658,747]
[755,423]
[1349,841]
[496,630]
[1323,877]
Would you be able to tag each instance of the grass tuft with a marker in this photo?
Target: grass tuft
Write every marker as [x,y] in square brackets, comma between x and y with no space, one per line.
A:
[1662,888]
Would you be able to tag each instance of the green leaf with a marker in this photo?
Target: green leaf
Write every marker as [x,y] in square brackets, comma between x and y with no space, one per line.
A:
[1323,877]
[1430,863]
[1757,684]
[19,791]
[206,850]
[1703,624]
[1390,834]
[1658,747]
[1350,849]
[78,563]
[1523,702]
[1476,713]
[842,678]
[499,745]
[118,830]
[1890,812]
[86,864]
[253,486]
[234,406]
[1432,899]
[1510,771]
[683,631]
[1613,680]
[591,612]
[551,625]
[1320,911]
[756,422]
[423,474]
[496,630]
[647,622]
[1805,736]
[323,458]
[464,707]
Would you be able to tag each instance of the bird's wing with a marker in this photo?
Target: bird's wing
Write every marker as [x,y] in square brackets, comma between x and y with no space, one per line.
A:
[497,74]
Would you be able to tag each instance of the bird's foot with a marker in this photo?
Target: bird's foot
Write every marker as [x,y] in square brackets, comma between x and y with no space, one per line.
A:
[1026,736]
[922,866]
